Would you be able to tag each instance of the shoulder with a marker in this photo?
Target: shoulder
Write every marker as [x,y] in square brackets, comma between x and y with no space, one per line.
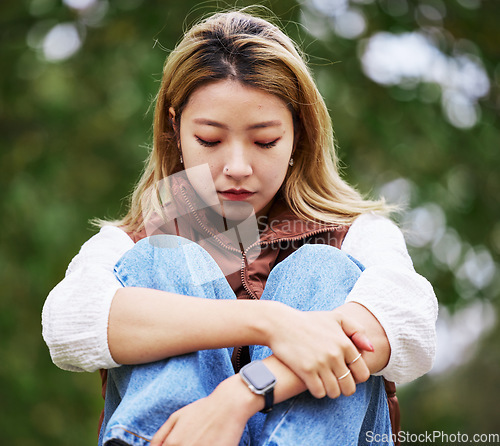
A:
[110,237]
[373,220]
[107,246]
[375,237]
[374,227]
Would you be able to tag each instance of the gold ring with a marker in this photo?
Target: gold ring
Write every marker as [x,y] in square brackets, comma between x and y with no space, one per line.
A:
[345,375]
[354,360]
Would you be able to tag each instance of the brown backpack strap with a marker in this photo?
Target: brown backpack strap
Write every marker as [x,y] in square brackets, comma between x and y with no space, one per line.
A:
[104,382]
[394,413]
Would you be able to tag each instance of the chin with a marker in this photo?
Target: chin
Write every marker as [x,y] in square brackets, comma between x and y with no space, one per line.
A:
[237,210]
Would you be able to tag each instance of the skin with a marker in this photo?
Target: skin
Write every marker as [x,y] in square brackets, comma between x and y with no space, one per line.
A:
[244,151]
[246,138]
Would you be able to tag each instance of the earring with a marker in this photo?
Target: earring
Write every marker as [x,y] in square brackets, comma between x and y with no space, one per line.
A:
[290,163]
[182,161]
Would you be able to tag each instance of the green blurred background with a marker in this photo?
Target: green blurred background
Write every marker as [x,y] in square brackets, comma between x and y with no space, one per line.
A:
[413,90]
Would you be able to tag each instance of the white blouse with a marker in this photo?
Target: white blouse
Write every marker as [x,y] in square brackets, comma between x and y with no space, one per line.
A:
[75,314]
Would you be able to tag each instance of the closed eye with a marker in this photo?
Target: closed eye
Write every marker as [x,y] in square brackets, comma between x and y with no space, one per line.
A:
[268,145]
[206,143]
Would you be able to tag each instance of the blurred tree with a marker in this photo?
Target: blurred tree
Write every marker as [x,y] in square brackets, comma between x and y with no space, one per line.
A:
[413,88]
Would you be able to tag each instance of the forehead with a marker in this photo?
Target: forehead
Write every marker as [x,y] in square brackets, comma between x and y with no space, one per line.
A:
[228,97]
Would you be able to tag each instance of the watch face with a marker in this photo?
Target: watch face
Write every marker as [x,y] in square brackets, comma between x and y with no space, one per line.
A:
[258,375]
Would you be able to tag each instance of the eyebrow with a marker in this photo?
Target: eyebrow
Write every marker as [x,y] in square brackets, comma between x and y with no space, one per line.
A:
[260,125]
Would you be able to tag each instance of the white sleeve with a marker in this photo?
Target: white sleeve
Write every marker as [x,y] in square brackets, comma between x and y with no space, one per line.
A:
[403,302]
[75,314]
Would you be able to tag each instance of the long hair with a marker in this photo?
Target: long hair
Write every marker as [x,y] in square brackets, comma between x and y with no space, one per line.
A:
[250,50]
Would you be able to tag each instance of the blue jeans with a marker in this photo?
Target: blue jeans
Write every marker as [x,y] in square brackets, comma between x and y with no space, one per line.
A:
[140,398]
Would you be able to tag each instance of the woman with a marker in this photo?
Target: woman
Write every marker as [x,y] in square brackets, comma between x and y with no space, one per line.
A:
[241,198]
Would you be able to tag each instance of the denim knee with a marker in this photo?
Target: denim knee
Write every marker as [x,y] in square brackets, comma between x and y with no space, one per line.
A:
[315,277]
[319,254]
[175,264]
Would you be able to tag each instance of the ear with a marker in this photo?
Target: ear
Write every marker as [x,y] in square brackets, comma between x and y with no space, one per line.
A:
[171,115]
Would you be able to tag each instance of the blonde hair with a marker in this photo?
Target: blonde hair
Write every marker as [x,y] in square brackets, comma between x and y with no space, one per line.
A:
[236,45]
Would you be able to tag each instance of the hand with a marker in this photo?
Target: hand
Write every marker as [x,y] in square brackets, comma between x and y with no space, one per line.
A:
[218,419]
[319,347]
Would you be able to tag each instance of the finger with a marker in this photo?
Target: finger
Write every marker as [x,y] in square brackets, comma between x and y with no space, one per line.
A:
[163,432]
[346,382]
[331,385]
[315,385]
[361,341]
[357,334]
[359,369]
[354,360]
[337,378]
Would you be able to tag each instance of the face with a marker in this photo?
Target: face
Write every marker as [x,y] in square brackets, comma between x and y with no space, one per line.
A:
[245,138]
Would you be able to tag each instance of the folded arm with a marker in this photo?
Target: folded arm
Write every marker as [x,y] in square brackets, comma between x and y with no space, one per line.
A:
[206,421]
[402,301]
[398,304]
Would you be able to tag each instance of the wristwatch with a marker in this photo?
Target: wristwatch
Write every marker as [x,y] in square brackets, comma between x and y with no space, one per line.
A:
[260,381]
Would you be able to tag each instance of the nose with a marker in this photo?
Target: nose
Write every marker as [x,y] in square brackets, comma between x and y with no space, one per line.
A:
[237,164]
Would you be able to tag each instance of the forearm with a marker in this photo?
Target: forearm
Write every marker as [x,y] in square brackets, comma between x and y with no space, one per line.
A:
[147,325]
[235,392]
[377,359]
[288,384]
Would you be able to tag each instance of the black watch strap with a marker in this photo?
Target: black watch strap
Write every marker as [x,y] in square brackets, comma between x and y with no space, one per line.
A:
[269,401]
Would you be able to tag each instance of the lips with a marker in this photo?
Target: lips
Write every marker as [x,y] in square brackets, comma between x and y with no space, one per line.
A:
[236,194]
